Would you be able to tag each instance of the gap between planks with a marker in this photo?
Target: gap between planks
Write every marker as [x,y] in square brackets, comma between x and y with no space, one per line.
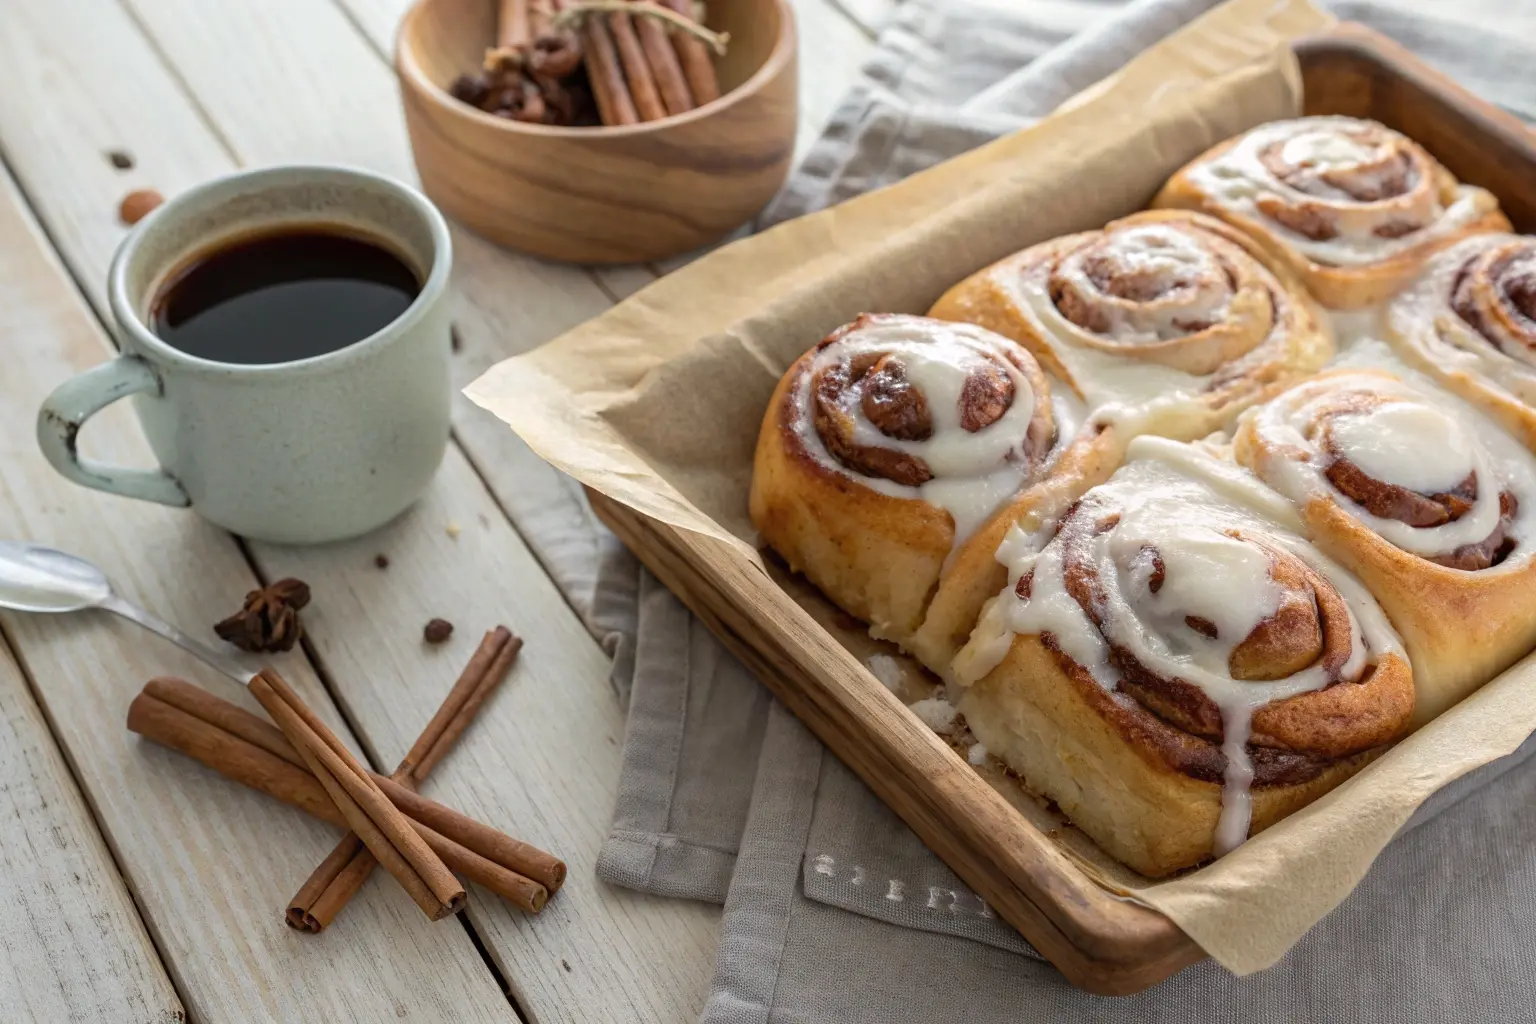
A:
[61,882]
[486,959]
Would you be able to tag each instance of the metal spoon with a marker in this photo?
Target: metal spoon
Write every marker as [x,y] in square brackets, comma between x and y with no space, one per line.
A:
[39,579]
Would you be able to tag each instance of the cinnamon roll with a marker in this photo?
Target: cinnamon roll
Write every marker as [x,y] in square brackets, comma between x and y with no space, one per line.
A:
[1427,501]
[1164,322]
[1351,206]
[1176,670]
[889,441]
[1469,321]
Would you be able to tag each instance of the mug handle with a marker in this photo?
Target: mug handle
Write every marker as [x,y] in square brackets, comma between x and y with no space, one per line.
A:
[78,399]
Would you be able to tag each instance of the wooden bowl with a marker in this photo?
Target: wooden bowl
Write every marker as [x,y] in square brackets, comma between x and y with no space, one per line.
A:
[602,195]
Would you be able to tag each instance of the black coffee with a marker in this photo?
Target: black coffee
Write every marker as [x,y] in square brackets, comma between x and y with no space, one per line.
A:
[282,296]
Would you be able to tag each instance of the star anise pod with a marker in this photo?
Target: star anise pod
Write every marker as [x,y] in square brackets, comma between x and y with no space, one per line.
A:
[269,619]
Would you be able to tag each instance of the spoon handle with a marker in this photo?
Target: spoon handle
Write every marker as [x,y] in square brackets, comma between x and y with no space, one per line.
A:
[215,659]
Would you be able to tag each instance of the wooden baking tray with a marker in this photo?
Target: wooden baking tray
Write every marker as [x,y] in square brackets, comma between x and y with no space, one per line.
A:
[1101,942]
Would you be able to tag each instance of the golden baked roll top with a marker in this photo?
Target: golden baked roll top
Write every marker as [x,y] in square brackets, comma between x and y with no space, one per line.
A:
[1351,206]
[1469,321]
[1175,668]
[885,444]
[1163,322]
[1428,501]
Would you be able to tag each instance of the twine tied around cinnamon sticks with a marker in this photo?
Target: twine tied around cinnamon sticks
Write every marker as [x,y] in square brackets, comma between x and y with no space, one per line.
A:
[419,841]
[645,59]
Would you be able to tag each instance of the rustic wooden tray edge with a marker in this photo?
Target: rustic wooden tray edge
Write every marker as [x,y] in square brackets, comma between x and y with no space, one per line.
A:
[1101,942]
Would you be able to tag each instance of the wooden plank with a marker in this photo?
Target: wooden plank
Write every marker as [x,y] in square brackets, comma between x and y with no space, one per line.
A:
[210,865]
[832,49]
[72,946]
[378,19]
[543,762]
[869,15]
[547,764]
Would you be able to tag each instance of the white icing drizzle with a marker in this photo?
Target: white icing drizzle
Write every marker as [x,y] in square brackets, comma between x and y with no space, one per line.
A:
[1185,508]
[1326,150]
[1237,790]
[1238,179]
[1422,319]
[1422,439]
[1411,444]
[973,473]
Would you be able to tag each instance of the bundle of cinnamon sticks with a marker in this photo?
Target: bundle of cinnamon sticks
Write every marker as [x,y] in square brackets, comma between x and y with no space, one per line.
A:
[243,747]
[641,71]
[578,62]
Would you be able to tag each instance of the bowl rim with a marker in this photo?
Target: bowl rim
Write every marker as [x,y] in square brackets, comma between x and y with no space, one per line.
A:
[411,74]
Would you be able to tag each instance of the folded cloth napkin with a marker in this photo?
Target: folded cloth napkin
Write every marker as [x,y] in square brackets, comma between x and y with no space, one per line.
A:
[834,911]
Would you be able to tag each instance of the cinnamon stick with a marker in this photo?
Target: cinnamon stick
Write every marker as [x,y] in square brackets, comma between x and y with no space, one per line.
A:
[382,828]
[339,877]
[255,754]
[693,55]
[540,13]
[544,868]
[484,673]
[664,65]
[513,27]
[637,70]
[615,106]
[226,721]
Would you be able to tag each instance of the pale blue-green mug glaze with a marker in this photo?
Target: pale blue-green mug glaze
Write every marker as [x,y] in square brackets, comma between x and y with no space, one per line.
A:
[301,452]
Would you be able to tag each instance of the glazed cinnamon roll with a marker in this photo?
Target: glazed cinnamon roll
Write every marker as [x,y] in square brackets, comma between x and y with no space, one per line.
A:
[1427,501]
[1163,322]
[1351,206]
[1469,321]
[1176,670]
[889,441]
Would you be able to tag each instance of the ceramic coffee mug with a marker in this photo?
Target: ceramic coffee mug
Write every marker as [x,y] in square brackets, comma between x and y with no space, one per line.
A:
[300,452]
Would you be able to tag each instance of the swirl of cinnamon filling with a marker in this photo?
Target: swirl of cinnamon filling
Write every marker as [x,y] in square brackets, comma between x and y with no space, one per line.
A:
[1169,292]
[1226,643]
[1407,463]
[1344,191]
[1470,322]
[915,407]
[1494,293]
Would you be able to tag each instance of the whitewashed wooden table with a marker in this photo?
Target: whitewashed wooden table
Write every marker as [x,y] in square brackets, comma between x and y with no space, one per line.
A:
[137,886]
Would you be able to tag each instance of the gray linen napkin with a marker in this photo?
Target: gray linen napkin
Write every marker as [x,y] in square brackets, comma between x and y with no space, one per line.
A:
[834,910]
